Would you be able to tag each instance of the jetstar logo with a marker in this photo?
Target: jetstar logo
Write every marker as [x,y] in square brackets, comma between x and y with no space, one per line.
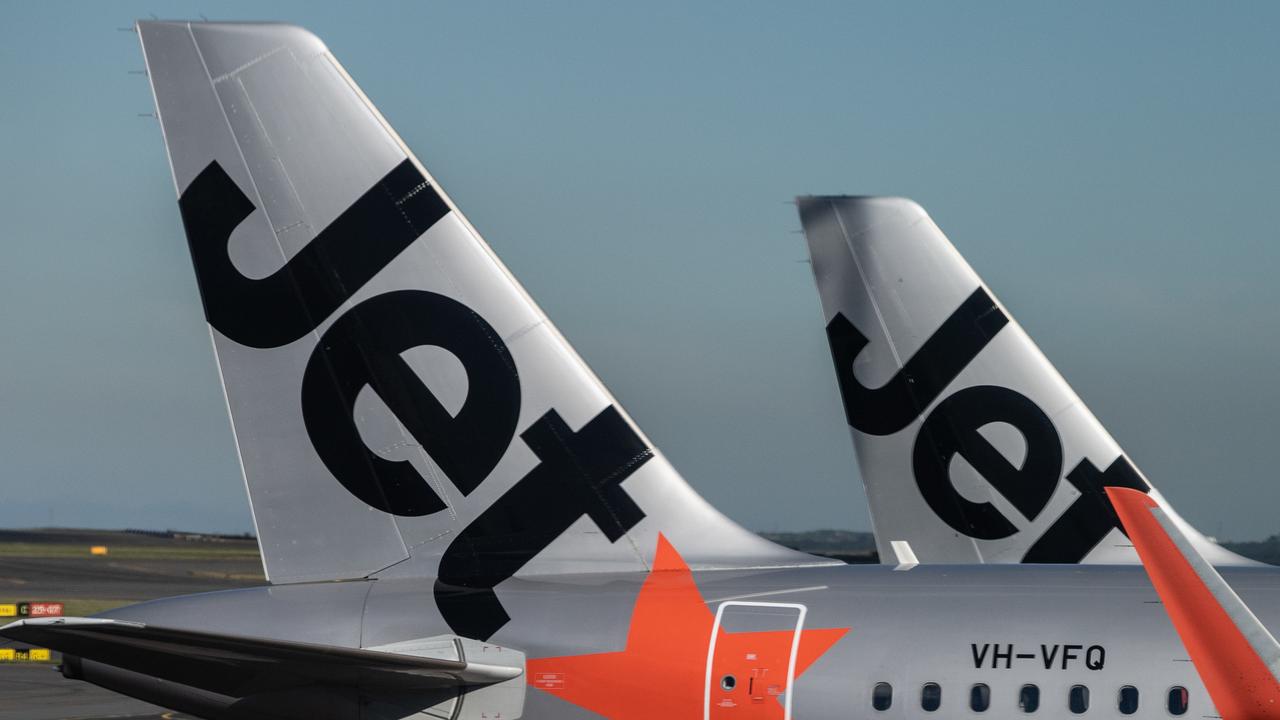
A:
[662,671]
[580,472]
[952,429]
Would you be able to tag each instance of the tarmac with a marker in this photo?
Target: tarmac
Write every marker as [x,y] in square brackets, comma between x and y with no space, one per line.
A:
[38,691]
[39,576]
[62,579]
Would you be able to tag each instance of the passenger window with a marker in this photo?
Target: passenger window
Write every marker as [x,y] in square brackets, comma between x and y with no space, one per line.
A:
[1029,698]
[979,698]
[882,696]
[1128,702]
[1078,699]
[1178,697]
[930,697]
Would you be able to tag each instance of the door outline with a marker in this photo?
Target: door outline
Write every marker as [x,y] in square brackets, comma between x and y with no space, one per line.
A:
[791,663]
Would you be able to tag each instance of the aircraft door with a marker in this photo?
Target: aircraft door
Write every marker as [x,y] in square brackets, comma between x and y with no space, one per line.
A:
[751,661]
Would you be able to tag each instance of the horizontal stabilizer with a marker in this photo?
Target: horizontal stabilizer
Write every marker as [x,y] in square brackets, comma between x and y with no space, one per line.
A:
[240,666]
[1235,654]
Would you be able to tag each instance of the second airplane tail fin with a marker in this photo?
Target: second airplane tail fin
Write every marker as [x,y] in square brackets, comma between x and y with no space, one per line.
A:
[971,445]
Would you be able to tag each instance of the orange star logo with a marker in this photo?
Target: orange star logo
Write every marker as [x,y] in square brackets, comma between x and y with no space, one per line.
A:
[662,672]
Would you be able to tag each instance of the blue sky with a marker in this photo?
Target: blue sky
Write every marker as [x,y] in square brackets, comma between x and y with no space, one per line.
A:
[1108,168]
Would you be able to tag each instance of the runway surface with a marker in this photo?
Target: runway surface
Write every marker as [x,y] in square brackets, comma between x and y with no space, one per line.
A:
[38,692]
[55,565]
[121,579]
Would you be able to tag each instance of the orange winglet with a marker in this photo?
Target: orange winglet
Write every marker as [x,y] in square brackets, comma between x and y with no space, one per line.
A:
[1238,680]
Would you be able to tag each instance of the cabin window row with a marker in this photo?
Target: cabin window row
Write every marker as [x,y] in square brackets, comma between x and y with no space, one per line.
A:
[1029,698]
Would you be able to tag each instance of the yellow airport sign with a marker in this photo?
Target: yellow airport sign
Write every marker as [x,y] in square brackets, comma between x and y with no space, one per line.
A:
[11,655]
[8,610]
[98,550]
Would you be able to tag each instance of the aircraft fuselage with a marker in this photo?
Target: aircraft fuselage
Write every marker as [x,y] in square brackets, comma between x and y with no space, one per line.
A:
[1005,627]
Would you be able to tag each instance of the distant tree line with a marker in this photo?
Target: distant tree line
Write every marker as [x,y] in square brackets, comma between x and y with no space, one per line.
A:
[197,537]
[1267,551]
[860,547]
[850,546]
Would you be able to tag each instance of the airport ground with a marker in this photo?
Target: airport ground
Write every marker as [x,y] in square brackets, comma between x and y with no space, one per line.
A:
[56,566]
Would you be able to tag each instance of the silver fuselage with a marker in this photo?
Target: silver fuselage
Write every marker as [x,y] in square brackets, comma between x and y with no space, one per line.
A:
[1054,627]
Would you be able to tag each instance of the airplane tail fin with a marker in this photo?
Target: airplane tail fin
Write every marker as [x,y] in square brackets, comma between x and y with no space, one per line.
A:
[971,445]
[400,405]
